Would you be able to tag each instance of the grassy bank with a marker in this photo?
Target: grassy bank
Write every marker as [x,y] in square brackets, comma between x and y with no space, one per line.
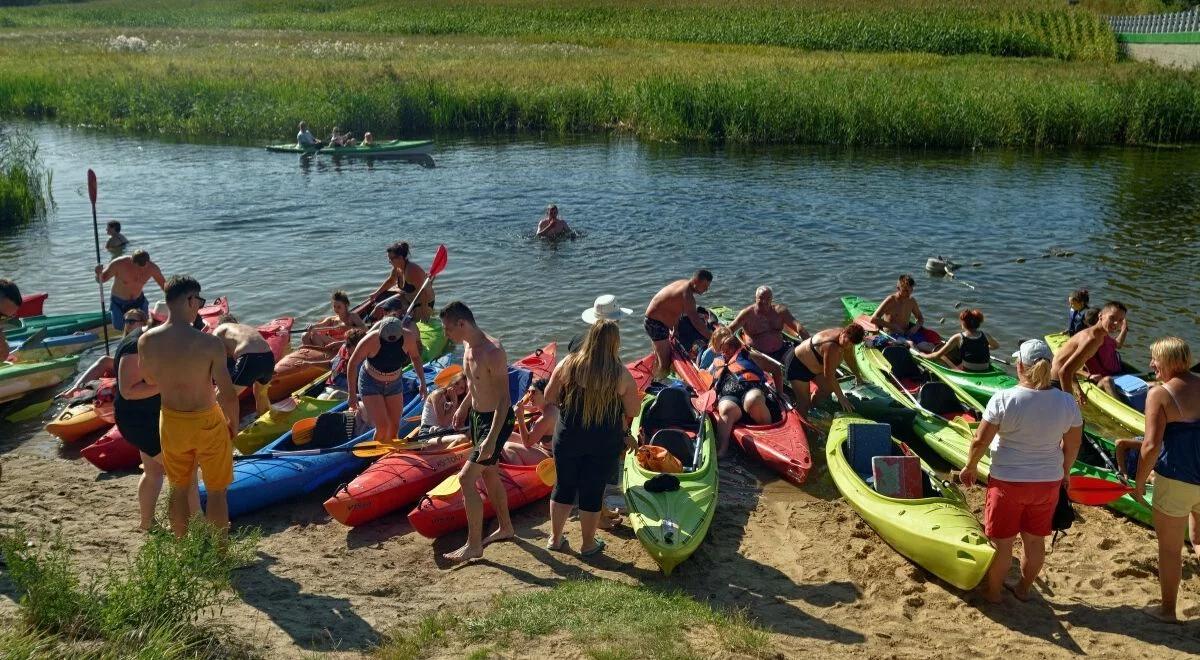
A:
[24,181]
[258,85]
[595,618]
[1042,28]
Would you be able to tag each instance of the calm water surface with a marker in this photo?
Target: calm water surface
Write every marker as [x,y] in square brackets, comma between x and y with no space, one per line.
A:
[276,234]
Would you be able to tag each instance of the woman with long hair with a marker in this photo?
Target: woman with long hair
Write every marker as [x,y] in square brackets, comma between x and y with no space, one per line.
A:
[595,398]
[407,278]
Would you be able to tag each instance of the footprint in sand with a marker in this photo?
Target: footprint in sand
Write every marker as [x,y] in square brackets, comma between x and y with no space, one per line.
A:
[1130,571]
[1107,544]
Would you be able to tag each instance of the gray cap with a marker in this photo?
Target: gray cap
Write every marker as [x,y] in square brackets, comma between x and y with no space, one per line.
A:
[1033,351]
[390,329]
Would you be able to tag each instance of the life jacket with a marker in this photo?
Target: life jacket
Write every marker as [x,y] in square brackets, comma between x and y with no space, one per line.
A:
[1106,361]
[741,367]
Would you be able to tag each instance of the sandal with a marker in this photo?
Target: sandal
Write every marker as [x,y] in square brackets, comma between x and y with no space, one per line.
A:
[596,549]
[561,546]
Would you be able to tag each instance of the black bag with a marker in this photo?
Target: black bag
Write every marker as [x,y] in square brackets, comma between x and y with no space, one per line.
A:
[333,429]
[663,483]
[1064,514]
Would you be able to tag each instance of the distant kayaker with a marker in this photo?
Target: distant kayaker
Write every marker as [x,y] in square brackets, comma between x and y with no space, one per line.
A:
[136,410]
[305,138]
[116,240]
[332,329]
[1172,450]
[10,302]
[249,358]
[376,371]
[899,314]
[605,308]
[340,139]
[195,431]
[764,323]
[595,397]
[740,382]
[974,348]
[407,277]
[1034,433]
[1095,349]
[817,358]
[368,139]
[673,310]
[551,226]
[1078,301]
[488,409]
[130,275]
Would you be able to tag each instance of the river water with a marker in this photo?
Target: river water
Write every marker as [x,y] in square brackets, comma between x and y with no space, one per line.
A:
[276,233]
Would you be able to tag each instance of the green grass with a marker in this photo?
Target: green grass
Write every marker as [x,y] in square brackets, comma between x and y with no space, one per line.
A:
[598,618]
[24,182]
[150,605]
[1022,28]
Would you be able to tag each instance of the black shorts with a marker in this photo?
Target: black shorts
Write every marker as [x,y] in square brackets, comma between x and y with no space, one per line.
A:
[736,392]
[657,330]
[781,354]
[141,432]
[251,368]
[481,426]
[797,370]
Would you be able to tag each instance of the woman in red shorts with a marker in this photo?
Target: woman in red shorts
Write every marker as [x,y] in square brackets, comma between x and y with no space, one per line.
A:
[1033,433]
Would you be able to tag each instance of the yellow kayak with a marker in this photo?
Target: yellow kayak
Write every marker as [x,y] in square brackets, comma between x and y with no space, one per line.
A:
[1132,420]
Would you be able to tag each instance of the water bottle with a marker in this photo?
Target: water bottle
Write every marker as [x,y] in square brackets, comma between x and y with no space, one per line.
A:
[669,529]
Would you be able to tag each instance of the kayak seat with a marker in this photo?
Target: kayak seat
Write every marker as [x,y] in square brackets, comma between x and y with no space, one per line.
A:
[865,442]
[938,398]
[902,363]
[898,476]
[671,408]
[681,445]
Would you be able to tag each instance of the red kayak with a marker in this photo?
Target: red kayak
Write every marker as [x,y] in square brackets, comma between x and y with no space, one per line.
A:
[31,305]
[112,452]
[399,479]
[436,516]
[783,446]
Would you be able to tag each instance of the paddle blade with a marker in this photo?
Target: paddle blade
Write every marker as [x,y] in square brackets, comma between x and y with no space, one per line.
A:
[1094,491]
[705,400]
[439,262]
[374,451]
[92,186]
[30,412]
[302,431]
[546,472]
[448,487]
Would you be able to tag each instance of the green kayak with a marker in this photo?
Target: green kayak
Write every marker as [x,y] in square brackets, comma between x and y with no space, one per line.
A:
[376,150]
[980,385]
[18,378]
[55,325]
[937,530]
[672,524]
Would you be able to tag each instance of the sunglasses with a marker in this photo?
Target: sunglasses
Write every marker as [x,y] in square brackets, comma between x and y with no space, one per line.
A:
[202,301]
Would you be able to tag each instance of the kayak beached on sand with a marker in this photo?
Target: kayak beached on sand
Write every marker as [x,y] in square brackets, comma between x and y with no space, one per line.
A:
[376,150]
[672,523]
[16,379]
[1132,420]
[55,326]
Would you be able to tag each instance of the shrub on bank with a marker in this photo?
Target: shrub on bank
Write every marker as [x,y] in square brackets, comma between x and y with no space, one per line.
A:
[24,182]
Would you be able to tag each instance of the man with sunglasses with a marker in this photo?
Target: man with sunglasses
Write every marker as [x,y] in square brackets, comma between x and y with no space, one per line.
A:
[183,363]
[10,302]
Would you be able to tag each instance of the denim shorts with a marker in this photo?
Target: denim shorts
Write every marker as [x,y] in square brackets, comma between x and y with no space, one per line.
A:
[368,385]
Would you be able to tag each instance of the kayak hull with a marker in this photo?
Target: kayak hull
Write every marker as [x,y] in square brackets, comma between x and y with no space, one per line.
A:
[937,533]
[434,517]
[17,379]
[112,452]
[55,325]
[392,482]
[31,304]
[389,148]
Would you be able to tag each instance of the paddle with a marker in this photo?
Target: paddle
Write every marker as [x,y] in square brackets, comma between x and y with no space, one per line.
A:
[1094,491]
[452,484]
[92,184]
[375,448]
[351,448]
[32,342]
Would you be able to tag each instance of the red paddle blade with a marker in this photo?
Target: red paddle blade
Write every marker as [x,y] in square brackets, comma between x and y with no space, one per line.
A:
[439,262]
[704,400]
[1094,491]
[92,186]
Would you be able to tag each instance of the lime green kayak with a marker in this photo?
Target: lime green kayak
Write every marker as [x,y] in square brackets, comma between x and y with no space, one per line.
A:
[980,385]
[55,326]
[375,150]
[309,400]
[18,378]
[671,525]
[937,531]
[1131,419]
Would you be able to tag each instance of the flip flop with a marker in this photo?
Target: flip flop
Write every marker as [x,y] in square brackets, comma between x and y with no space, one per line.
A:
[596,549]
[561,546]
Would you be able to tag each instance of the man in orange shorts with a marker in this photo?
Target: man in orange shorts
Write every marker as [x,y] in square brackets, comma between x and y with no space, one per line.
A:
[194,430]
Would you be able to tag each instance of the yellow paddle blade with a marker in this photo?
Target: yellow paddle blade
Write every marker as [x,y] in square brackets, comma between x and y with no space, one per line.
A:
[546,472]
[302,431]
[449,487]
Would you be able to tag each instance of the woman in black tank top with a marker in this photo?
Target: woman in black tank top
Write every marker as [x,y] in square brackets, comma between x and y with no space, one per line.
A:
[973,346]
[596,398]
[376,372]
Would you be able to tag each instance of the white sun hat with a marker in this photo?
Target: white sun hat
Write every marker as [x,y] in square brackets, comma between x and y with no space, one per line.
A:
[605,308]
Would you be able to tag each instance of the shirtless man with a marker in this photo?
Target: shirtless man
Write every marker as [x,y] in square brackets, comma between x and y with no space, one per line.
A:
[183,363]
[552,226]
[667,311]
[488,406]
[116,240]
[1085,345]
[131,273]
[248,358]
[764,323]
[896,313]
[10,302]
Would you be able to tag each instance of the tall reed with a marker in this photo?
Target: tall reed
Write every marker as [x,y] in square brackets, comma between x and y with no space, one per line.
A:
[24,182]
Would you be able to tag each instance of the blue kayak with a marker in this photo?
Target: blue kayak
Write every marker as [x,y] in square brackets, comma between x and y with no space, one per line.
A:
[53,347]
[261,482]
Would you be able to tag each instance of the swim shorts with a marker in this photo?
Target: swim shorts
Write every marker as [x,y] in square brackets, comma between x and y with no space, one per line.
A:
[251,368]
[657,330]
[481,426]
[191,439]
[797,370]
[118,307]
[1016,507]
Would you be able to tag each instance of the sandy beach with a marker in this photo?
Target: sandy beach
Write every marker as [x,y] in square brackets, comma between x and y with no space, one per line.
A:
[798,562]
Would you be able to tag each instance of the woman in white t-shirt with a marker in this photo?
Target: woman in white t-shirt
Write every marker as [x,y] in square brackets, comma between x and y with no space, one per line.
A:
[1034,434]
